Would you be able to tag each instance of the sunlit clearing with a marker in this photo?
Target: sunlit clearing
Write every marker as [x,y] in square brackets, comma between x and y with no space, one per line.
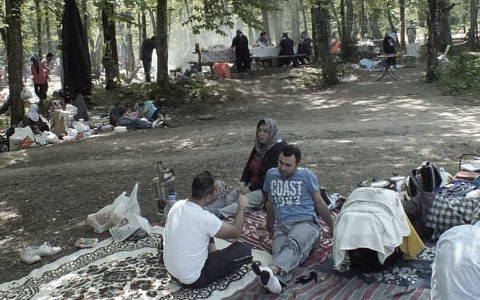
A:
[344,141]
[185,144]
[8,215]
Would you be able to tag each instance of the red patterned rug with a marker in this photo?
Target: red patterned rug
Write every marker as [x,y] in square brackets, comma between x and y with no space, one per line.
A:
[329,285]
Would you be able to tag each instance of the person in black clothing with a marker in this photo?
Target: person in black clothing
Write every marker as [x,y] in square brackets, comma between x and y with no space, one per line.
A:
[264,156]
[146,52]
[305,47]
[286,48]
[389,47]
[242,54]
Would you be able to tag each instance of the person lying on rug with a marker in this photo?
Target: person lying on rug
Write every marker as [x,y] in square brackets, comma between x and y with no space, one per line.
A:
[189,249]
[264,156]
[295,202]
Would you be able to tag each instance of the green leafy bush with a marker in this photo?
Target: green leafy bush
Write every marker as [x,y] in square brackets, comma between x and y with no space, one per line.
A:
[461,75]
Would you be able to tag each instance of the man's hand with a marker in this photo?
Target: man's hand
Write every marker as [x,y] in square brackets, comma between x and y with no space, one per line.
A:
[242,201]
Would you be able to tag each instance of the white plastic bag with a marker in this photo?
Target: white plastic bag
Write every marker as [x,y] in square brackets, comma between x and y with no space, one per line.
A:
[41,138]
[52,138]
[71,109]
[72,132]
[20,134]
[112,214]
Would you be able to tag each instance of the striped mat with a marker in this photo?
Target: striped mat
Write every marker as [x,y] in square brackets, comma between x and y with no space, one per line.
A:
[330,285]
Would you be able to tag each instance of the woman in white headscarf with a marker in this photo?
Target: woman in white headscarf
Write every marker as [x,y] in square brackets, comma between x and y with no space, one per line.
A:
[35,120]
[264,156]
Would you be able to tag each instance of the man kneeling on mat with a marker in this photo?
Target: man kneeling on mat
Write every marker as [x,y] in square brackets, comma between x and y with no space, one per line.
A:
[189,249]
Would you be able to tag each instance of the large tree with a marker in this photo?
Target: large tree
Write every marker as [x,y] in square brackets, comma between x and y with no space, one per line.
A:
[15,58]
[321,28]
[161,37]
[472,34]
[433,29]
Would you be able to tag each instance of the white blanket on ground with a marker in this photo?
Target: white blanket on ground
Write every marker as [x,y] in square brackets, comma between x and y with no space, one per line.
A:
[123,270]
[371,218]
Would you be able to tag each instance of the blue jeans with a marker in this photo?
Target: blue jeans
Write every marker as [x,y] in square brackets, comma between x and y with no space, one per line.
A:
[228,206]
[292,243]
[133,123]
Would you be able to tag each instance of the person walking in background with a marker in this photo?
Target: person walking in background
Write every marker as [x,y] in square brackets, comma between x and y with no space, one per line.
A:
[40,75]
[146,51]
[242,54]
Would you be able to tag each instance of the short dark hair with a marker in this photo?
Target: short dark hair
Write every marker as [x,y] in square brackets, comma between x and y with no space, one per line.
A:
[203,184]
[50,54]
[263,33]
[289,150]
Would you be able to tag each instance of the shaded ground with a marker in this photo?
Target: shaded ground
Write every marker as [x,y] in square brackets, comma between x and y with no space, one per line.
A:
[348,133]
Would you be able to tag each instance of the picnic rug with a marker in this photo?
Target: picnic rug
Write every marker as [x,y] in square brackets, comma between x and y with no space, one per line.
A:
[405,280]
[125,270]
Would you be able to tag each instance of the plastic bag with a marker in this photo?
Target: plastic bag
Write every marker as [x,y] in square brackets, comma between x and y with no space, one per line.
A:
[19,135]
[52,138]
[112,214]
[41,138]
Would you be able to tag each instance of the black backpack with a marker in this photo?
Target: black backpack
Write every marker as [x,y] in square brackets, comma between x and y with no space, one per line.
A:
[420,185]
[427,177]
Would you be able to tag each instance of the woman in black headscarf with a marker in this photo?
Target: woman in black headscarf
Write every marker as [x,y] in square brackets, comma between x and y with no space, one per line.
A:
[264,156]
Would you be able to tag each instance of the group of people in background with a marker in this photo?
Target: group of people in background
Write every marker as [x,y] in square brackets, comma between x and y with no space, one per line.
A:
[287,54]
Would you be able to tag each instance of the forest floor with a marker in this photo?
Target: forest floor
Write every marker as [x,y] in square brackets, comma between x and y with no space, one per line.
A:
[348,133]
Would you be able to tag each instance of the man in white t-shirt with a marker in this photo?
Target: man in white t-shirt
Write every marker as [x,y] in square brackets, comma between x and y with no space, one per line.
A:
[189,249]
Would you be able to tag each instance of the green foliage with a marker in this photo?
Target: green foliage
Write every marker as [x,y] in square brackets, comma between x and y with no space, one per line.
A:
[461,75]
[193,91]
[213,14]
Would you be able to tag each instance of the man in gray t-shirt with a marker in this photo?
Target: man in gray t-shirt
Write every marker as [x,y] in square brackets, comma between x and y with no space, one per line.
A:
[295,202]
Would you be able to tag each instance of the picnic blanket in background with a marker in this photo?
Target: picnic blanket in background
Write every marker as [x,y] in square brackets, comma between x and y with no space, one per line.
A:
[124,270]
[406,280]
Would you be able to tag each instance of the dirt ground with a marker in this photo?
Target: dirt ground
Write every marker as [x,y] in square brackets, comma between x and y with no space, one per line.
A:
[354,131]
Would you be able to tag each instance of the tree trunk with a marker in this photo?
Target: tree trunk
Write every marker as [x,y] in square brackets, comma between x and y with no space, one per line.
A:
[86,22]
[337,20]
[347,45]
[390,8]
[152,18]
[374,20]
[266,27]
[161,38]
[47,26]
[445,34]
[15,58]
[3,30]
[401,3]
[363,20]
[322,28]
[130,57]
[108,23]
[141,38]
[472,33]
[304,15]
[38,13]
[144,27]
[315,15]
[295,21]
[433,27]
[277,26]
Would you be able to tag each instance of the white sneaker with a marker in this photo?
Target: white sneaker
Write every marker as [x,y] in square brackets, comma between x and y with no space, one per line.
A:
[46,249]
[157,123]
[29,256]
[267,278]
